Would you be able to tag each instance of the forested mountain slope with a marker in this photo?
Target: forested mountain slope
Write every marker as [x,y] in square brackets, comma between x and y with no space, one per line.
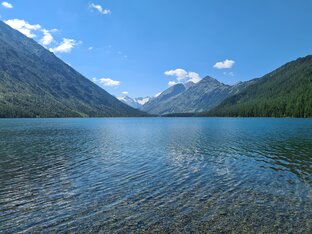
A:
[285,92]
[35,83]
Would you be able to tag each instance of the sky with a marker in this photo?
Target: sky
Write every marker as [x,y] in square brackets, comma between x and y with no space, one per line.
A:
[141,47]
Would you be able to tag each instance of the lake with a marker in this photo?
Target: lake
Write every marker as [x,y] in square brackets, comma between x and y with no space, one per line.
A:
[156,175]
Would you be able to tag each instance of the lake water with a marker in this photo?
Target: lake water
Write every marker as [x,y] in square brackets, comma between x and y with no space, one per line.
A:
[156,175]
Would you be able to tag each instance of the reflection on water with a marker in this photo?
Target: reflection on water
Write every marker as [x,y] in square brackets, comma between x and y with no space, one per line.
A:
[156,174]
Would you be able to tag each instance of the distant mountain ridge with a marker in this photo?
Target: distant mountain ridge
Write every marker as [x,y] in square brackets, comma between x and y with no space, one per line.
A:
[191,97]
[154,106]
[285,92]
[136,103]
[35,83]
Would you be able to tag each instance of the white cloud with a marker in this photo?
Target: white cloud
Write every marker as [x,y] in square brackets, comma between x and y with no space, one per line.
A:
[224,64]
[182,76]
[47,38]
[194,77]
[90,48]
[23,26]
[7,5]
[100,9]
[65,46]
[33,30]
[171,83]
[108,82]
[125,92]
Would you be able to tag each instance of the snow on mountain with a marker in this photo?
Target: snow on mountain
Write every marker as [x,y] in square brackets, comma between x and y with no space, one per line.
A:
[134,102]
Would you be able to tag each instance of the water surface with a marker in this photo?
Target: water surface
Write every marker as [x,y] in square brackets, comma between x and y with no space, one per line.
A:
[156,175]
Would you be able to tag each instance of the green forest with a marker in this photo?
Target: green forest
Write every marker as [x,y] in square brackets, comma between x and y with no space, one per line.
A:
[285,92]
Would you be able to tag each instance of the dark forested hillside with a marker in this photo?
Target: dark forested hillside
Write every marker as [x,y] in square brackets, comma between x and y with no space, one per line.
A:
[285,92]
[35,83]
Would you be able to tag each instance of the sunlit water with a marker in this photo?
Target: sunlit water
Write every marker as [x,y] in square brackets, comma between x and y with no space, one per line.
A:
[156,175]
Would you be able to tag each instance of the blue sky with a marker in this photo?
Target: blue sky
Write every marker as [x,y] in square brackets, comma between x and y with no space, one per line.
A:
[141,46]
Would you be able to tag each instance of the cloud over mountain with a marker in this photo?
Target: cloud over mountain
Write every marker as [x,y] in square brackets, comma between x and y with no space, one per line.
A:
[182,76]
[226,64]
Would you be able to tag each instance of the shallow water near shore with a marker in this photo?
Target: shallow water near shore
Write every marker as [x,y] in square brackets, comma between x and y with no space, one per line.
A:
[239,175]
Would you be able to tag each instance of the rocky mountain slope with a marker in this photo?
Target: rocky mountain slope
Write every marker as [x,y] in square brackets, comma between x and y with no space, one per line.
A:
[35,83]
[189,98]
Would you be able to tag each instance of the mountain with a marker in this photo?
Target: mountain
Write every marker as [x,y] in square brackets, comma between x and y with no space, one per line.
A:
[198,97]
[189,84]
[134,102]
[285,92]
[35,83]
[158,104]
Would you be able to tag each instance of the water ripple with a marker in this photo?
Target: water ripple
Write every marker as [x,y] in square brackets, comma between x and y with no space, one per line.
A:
[156,175]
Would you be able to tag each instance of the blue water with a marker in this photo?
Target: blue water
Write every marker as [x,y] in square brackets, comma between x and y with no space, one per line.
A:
[156,175]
